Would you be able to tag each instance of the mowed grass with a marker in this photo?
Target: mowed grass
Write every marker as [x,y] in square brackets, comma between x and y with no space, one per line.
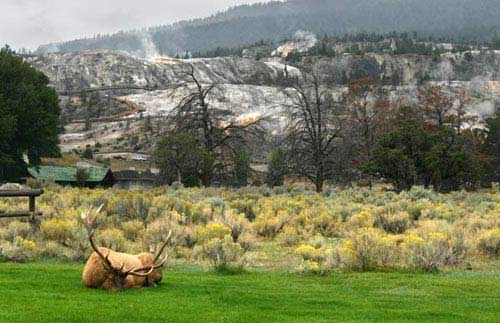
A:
[48,292]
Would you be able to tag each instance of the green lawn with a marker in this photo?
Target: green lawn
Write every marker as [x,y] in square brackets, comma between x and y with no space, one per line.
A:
[47,292]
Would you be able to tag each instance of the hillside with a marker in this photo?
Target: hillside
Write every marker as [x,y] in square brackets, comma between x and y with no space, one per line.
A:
[109,98]
[472,20]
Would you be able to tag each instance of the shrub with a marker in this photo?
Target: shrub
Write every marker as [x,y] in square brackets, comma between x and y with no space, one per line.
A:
[361,250]
[309,267]
[51,250]
[157,232]
[415,211]
[430,255]
[17,229]
[246,241]
[79,247]
[34,183]
[132,229]
[396,223]
[213,231]
[224,254]
[362,219]
[20,250]
[326,224]
[421,193]
[244,206]
[289,237]
[333,258]
[139,208]
[112,238]
[268,227]
[317,259]
[308,252]
[57,230]
[489,243]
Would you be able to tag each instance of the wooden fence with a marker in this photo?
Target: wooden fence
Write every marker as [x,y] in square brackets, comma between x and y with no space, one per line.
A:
[31,194]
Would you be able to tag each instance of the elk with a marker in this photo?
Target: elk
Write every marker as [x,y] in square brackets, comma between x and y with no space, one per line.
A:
[111,270]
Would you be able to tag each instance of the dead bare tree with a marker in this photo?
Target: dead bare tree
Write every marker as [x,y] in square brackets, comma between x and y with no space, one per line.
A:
[435,104]
[216,129]
[314,128]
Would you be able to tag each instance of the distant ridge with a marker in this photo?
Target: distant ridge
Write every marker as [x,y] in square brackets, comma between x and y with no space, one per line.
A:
[242,25]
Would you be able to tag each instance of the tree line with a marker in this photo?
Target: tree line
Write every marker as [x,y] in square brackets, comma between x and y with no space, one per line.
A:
[274,21]
[363,135]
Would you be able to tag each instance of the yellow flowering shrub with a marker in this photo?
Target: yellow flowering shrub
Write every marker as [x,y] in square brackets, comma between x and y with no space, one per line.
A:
[28,244]
[354,228]
[308,252]
[57,230]
[326,224]
[309,267]
[488,243]
[213,231]
[360,251]
[363,219]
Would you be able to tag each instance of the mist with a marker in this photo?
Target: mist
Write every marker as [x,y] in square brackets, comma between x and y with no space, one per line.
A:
[29,23]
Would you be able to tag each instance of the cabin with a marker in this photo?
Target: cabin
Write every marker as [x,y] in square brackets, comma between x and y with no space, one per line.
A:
[134,180]
[90,177]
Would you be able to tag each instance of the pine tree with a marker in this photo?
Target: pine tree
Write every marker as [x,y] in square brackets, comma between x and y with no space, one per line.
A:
[29,116]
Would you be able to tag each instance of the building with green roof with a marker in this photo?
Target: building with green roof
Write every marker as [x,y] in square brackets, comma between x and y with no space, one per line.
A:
[74,176]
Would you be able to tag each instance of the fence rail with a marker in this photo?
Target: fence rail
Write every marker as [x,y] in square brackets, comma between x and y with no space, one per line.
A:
[31,194]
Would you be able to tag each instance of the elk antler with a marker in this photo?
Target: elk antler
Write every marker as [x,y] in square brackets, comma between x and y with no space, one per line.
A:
[89,225]
[161,251]
[134,272]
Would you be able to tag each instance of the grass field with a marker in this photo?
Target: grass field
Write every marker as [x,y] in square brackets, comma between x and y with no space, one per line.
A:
[52,292]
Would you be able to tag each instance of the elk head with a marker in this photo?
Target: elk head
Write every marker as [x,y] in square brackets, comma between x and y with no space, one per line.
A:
[113,270]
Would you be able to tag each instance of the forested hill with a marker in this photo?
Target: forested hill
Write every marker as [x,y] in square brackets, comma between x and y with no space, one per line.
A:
[474,20]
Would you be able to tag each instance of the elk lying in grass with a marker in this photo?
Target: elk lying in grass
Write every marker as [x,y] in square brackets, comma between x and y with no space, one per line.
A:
[111,270]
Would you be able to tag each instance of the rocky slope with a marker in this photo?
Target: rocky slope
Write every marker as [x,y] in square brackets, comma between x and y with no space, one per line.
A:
[77,71]
[89,82]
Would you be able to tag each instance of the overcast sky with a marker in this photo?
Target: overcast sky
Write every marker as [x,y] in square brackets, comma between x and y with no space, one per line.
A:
[29,23]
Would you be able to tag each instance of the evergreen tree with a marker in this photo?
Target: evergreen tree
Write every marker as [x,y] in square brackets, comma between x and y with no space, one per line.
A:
[415,153]
[277,168]
[180,158]
[88,153]
[491,147]
[241,168]
[29,116]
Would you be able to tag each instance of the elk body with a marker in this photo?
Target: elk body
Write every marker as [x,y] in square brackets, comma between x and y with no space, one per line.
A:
[111,270]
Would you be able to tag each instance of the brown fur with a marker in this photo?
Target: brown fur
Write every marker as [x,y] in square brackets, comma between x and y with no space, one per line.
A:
[95,274]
